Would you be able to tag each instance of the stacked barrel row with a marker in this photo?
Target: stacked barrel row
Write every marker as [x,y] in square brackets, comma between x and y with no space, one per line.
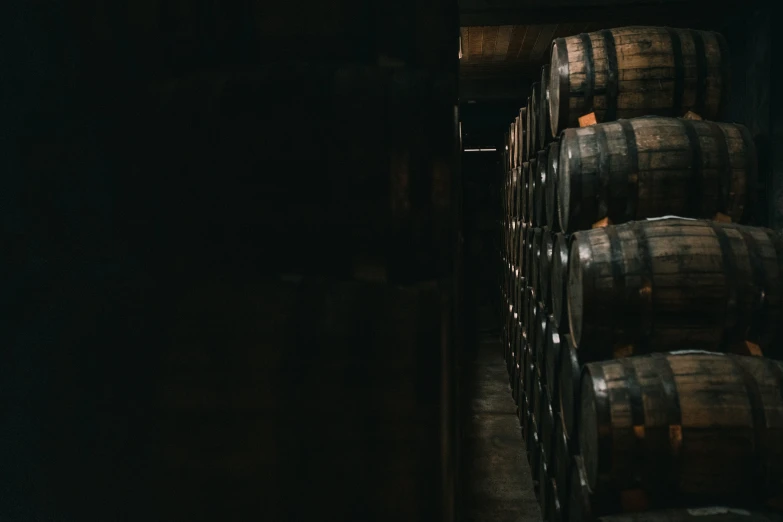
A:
[642,348]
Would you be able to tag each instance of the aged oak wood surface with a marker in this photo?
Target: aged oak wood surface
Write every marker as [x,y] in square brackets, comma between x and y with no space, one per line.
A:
[675,284]
[637,71]
[654,166]
[681,429]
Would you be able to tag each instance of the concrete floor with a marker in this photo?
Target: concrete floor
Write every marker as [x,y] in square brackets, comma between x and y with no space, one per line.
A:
[497,486]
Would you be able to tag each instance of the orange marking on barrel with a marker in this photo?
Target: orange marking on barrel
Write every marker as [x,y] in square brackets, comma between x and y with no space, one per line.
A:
[587,120]
[754,349]
[605,222]
[721,218]
[639,431]
[675,438]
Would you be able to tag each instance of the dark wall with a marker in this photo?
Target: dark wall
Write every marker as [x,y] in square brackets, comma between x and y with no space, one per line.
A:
[229,242]
[749,41]
[755,74]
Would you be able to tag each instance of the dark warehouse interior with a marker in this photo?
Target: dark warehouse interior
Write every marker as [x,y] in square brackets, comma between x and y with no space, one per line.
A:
[266,261]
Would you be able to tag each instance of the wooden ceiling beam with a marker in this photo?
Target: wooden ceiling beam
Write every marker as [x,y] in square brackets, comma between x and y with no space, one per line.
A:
[698,13]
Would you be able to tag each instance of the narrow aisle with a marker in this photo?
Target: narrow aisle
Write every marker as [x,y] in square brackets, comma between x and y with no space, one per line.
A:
[498,486]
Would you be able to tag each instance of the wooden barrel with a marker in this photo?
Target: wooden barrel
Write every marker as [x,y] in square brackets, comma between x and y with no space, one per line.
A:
[523,252]
[519,282]
[535,262]
[523,361]
[521,135]
[547,424]
[509,148]
[512,194]
[698,514]
[520,361]
[568,381]
[518,346]
[541,325]
[654,166]
[536,391]
[515,153]
[546,253]
[529,321]
[535,99]
[506,192]
[534,453]
[636,71]
[526,423]
[529,141]
[540,195]
[530,438]
[512,256]
[559,278]
[511,346]
[523,197]
[580,496]
[520,195]
[532,186]
[530,318]
[669,430]
[522,411]
[532,250]
[520,126]
[512,242]
[561,461]
[544,125]
[518,249]
[550,189]
[554,510]
[522,301]
[552,361]
[538,402]
[507,211]
[675,284]
[529,395]
[543,481]
[529,378]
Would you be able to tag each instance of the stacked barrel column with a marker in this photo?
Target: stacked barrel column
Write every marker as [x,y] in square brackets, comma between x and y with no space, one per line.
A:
[650,329]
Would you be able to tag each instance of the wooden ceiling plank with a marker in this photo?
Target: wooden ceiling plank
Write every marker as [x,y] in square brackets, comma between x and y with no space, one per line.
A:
[465,34]
[475,42]
[517,36]
[714,13]
[503,41]
[531,35]
[490,41]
